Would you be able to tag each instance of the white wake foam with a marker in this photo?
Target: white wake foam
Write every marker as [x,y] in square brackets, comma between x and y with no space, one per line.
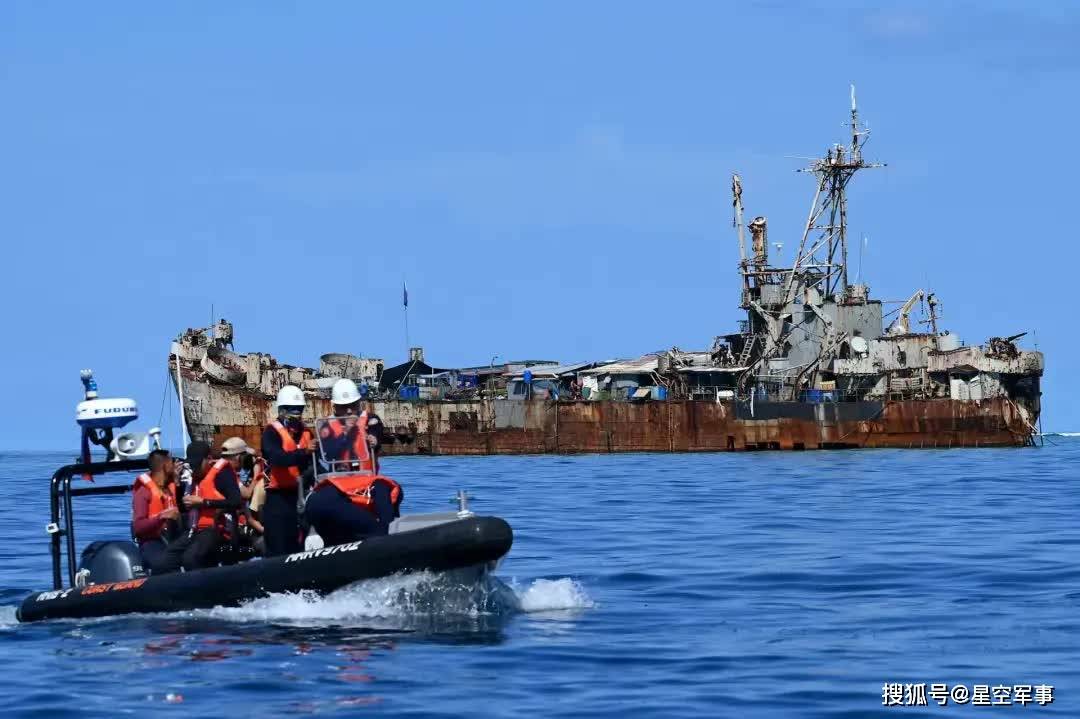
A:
[385,598]
[7,617]
[409,601]
[403,602]
[545,595]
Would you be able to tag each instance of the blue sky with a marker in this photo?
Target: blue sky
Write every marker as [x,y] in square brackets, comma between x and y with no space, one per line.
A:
[551,178]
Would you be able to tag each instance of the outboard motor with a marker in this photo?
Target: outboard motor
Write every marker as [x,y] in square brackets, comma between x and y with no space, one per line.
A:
[112,561]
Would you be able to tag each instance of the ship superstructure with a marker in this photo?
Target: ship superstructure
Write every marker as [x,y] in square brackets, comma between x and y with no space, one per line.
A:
[811,333]
[817,363]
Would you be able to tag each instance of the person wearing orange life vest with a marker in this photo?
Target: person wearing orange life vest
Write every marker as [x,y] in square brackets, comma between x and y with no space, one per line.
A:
[347,402]
[287,447]
[215,503]
[154,514]
[218,504]
[353,501]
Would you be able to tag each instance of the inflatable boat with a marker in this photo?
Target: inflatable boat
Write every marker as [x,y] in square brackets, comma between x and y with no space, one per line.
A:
[109,578]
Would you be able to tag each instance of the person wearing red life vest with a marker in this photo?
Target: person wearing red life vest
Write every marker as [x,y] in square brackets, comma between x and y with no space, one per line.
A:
[215,504]
[287,447]
[154,514]
[353,501]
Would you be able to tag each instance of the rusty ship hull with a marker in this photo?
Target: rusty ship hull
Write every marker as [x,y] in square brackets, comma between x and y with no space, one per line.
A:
[818,362]
[482,427]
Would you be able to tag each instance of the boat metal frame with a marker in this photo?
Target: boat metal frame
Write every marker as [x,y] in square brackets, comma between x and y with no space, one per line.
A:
[61,506]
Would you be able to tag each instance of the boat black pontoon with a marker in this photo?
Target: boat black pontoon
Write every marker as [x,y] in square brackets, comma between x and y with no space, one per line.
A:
[109,578]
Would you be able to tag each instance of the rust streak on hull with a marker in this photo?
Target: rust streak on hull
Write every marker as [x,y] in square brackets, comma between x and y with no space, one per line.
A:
[543,427]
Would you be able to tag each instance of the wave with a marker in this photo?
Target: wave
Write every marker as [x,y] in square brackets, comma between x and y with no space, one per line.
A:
[7,617]
[411,601]
[1061,434]
[423,601]
[546,595]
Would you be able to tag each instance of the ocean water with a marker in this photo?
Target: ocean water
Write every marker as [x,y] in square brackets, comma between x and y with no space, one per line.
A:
[644,585]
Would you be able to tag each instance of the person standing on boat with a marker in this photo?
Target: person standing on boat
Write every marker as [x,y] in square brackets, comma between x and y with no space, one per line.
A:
[287,447]
[348,402]
[155,518]
[353,501]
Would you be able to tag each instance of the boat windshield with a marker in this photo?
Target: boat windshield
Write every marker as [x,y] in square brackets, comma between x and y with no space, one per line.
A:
[342,446]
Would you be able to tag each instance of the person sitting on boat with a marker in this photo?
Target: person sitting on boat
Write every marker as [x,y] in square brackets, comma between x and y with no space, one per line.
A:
[287,447]
[249,529]
[215,504]
[188,473]
[155,518]
[351,501]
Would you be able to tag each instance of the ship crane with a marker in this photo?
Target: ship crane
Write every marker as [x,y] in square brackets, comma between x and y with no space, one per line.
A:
[902,324]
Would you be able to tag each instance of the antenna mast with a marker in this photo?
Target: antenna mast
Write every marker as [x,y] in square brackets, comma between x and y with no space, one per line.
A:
[737,221]
[821,260]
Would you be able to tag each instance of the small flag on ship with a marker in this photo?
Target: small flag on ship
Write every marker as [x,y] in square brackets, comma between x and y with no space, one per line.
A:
[404,294]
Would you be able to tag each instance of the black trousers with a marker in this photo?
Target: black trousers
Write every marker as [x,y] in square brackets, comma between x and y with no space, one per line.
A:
[339,521]
[281,523]
[190,551]
[153,555]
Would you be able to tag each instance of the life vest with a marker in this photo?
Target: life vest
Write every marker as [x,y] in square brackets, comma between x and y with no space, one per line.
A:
[358,451]
[287,477]
[357,487]
[160,498]
[207,516]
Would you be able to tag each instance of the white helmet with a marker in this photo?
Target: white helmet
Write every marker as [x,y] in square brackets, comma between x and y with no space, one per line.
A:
[290,396]
[344,392]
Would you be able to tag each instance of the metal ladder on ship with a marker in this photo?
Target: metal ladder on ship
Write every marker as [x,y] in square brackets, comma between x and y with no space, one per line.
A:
[747,348]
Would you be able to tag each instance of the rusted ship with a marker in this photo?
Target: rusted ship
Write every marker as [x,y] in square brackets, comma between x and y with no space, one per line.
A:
[817,363]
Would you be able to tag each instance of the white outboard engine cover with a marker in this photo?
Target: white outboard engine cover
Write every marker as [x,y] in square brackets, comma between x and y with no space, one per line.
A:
[106,413]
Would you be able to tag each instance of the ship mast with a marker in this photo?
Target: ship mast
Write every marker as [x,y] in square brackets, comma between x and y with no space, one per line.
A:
[737,221]
[821,261]
[817,276]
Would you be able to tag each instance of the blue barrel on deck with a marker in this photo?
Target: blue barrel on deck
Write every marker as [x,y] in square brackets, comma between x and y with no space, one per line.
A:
[659,392]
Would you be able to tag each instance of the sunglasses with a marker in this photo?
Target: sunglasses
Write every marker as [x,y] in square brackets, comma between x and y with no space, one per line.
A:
[293,411]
